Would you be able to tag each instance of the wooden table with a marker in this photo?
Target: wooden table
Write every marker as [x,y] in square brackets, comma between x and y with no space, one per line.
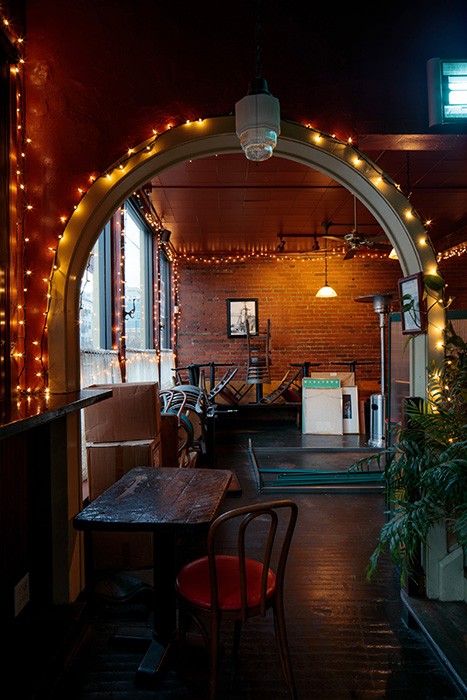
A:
[168,502]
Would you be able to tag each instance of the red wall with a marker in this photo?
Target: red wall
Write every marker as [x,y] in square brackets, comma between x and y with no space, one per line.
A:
[303,328]
[99,77]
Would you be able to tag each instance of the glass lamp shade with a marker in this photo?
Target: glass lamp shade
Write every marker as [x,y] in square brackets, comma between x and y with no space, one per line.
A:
[393,255]
[326,292]
[257,123]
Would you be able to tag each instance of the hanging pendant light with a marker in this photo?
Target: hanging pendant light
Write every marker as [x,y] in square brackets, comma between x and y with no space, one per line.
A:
[257,116]
[326,292]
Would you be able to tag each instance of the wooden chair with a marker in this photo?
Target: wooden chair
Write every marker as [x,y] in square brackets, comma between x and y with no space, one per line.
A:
[290,389]
[259,356]
[236,587]
[221,385]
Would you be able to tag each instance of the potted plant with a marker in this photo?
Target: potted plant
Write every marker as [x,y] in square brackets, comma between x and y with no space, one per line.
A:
[425,465]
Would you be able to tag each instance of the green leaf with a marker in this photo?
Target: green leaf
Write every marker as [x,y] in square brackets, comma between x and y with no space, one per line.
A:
[434,282]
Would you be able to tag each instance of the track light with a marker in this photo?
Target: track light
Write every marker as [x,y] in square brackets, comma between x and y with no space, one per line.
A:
[280,246]
[165,235]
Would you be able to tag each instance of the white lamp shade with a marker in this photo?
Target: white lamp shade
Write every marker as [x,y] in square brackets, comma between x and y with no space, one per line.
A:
[326,292]
[257,122]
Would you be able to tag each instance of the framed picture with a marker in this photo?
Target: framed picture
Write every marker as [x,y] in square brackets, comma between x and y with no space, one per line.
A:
[239,313]
[350,412]
[413,306]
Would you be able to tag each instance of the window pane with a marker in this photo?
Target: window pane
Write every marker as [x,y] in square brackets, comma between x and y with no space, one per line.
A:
[165,291]
[90,310]
[94,308]
[138,275]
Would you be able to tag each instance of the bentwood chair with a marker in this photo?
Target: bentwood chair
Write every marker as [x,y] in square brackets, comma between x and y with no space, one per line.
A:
[259,356]
[241,585]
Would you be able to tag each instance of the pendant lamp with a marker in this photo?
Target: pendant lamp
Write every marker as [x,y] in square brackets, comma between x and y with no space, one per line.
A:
[257,116]
[257,121]
[326,292]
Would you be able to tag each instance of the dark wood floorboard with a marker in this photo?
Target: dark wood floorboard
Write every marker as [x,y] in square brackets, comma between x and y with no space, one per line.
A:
[347,636]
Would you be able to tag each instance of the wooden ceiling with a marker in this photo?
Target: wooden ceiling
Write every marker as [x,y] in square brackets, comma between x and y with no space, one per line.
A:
[227,204]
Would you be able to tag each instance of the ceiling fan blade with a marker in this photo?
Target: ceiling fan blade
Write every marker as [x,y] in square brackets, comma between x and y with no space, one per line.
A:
[350,253]
[334,238]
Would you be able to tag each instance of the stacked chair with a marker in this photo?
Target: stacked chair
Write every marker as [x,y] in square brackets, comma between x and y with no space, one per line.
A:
[259,356]
[191,406]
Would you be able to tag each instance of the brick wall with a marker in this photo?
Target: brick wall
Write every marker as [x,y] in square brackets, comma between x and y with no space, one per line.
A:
[303,328]
[454,271]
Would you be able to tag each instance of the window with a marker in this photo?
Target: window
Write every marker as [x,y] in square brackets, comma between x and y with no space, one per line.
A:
[95,307]
[119,302]
[138,275]
[165,302]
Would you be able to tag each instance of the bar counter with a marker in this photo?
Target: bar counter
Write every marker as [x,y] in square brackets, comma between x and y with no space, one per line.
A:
[40,490]
[27,412]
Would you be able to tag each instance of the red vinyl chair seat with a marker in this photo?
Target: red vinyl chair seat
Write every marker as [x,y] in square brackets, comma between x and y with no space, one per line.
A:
[193,583]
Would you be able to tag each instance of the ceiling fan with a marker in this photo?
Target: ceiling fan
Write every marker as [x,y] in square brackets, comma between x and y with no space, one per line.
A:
[356,240]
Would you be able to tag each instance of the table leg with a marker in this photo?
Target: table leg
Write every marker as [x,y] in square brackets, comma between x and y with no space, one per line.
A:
[163,637]
[164,557]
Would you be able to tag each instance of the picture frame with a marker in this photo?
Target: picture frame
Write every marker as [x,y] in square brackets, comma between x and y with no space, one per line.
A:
[350,410]
[413,304]
[239,312]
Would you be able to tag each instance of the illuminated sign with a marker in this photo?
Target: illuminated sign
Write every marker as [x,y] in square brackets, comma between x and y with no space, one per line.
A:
[447,91]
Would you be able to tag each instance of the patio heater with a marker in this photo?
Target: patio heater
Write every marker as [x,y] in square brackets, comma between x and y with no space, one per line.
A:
[381,305]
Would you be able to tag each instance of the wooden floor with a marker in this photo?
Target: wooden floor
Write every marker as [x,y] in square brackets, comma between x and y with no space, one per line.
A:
[348,637]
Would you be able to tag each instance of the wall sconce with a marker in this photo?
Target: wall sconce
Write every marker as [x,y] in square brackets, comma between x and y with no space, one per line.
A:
[131,312]
[393,254]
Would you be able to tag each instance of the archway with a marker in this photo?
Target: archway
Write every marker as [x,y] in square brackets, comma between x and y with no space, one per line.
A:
[340,160]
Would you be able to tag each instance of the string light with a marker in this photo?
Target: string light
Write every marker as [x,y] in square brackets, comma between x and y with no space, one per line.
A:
[20,343]
[455,251]
[222,259]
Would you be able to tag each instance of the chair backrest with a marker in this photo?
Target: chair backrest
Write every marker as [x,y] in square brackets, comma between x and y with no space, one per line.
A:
[263,531]
[222,383]
[259,356]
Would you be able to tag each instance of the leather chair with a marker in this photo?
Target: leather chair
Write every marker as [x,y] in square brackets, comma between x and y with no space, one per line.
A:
[237,587]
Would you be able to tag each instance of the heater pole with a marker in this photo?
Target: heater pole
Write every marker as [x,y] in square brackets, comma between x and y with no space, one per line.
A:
[381,303]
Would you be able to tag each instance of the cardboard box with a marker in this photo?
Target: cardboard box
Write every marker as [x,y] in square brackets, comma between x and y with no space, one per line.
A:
[108,462]
[346,378]
[132,413]
[169,441]
[322,411]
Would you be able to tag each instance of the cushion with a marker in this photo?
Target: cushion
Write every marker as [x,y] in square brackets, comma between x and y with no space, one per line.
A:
[193,582]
